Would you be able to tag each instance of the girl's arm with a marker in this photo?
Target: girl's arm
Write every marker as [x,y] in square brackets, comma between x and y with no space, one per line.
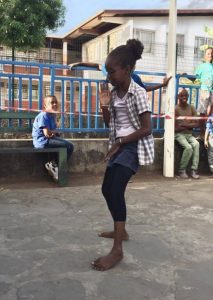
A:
[85,64]
[158,86]
[106,114]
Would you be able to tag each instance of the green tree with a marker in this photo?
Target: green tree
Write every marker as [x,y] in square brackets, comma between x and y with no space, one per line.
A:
[209,31]
[24,23]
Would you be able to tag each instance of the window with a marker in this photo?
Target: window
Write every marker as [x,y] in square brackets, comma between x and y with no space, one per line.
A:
[24,91]
[113,40]
[147,37]
[34,92]
[91,52]
[179,43]
[58,88]
[200,41]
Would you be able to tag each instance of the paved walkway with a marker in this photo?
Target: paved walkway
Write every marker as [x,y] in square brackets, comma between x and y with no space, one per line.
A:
[48,237]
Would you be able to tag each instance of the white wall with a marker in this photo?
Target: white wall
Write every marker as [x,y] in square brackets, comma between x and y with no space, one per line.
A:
[157,61]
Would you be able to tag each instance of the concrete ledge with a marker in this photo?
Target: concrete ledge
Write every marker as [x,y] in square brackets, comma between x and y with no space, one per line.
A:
[88,157]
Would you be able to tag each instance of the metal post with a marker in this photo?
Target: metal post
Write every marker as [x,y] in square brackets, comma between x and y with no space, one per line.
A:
[168,164]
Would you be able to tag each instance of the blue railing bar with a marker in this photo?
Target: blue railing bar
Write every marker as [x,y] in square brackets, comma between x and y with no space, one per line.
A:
[52,81]
[185,76]
[176,88]
[79,79]
[20,97]
[197,96]
[33,64]
[150,73]
[9,92]
[190,95]
[71,105]
[40,88]
[189,86]
[89,105]
[159,107]
[30,90]
[19,76]
[62,103]
[10,98]
[96,105]
[0,96]
[80,105]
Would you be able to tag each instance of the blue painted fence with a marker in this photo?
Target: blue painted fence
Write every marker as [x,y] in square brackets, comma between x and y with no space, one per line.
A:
[78,97]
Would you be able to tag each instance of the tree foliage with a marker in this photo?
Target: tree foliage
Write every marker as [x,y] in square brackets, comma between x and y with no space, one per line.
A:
[209,31]
[24,23]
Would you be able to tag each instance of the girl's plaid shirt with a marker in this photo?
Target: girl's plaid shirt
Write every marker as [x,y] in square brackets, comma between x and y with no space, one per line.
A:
[137,103]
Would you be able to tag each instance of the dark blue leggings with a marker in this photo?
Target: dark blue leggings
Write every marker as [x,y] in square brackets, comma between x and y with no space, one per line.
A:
[114,185]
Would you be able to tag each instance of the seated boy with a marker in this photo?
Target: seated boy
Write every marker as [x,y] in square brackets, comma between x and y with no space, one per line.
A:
[45,135]
[183,135]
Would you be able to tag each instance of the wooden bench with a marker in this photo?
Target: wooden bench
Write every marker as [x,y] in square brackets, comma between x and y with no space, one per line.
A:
[21,122]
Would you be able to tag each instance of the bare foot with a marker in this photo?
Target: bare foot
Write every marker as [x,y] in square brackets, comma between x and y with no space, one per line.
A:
[111,235]
[107,262]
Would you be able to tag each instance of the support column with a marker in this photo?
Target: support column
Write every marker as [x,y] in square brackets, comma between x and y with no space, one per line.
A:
[168,164]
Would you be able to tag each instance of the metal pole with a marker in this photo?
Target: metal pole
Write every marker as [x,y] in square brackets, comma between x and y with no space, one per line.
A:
[168,164]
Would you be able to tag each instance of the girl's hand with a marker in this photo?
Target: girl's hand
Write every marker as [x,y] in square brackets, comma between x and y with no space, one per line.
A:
[104,94]
[114,149]
[206,144]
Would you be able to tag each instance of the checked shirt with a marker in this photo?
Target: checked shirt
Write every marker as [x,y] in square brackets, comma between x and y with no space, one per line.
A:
[137,103]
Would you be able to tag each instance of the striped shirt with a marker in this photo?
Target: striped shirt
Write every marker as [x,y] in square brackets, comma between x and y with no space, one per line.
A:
[137,103]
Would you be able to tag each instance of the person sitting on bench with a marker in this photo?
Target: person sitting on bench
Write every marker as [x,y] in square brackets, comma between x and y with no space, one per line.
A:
[45,135]
[184,137]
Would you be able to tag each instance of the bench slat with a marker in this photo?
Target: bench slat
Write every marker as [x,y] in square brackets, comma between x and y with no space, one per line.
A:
[24,115]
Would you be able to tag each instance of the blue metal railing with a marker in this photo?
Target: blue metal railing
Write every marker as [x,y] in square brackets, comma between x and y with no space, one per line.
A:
[78,97]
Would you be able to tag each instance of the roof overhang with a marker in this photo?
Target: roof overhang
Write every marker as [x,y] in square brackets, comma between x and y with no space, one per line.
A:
[109,19]
[106,20]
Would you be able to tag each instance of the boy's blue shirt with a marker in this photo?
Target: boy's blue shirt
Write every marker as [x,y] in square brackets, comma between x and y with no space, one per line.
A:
[204,72]
[42,120]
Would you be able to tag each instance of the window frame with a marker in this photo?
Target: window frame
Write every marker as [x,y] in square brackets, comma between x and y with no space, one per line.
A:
[148,45]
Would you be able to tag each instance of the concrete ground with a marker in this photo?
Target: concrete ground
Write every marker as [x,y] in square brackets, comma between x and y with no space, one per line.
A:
[48,237]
